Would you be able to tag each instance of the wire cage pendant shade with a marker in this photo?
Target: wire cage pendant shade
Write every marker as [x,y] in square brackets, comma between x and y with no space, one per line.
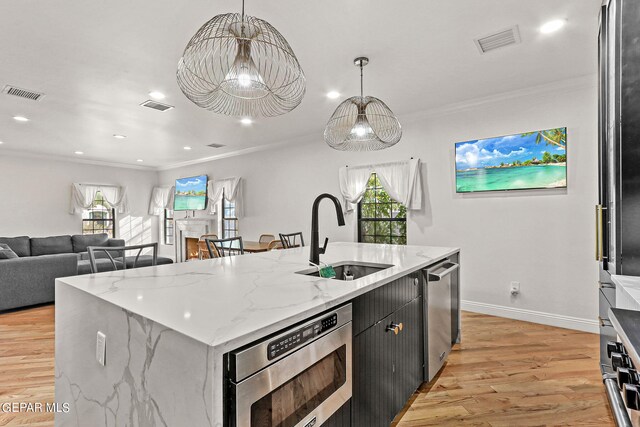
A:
[362,123]
[239,65]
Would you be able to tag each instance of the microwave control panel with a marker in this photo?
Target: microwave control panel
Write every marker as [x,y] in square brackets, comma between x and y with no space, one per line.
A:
[287,342]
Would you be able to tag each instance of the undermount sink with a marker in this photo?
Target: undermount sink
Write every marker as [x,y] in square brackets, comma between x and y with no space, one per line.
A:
[356,269]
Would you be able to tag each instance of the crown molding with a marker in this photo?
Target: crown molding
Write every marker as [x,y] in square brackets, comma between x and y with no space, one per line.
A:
[561,86]
[40,156]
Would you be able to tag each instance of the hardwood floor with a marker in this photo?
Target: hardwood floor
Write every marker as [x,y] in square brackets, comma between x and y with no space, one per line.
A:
[511,373]
[505,373]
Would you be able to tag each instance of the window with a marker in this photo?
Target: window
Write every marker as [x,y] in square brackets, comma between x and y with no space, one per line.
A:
[99,218]
[380,218]
[229,219]
[167,227]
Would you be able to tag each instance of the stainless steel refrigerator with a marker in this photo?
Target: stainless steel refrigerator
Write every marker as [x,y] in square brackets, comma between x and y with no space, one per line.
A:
[617,215]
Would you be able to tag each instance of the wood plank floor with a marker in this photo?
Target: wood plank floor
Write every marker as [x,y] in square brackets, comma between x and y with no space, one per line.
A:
[511,373]
[505,373]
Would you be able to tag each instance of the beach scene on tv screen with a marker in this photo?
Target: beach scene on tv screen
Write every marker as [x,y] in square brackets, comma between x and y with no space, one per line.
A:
[515,162]
[191,193]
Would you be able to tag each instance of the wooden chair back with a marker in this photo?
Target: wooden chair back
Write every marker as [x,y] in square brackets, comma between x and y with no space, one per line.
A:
[267,238]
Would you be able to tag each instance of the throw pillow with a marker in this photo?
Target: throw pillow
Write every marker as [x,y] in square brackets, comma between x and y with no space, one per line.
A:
[6,252]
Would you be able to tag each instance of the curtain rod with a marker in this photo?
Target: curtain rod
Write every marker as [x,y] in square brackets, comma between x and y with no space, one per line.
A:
[98,185]
[378,164]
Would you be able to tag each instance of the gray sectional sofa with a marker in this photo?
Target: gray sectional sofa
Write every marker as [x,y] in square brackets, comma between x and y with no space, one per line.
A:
[29,278]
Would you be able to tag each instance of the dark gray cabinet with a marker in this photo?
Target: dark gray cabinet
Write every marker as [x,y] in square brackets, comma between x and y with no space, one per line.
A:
[387,351]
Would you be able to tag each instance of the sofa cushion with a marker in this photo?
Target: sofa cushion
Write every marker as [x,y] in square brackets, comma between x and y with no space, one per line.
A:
[20,245]
[102,264]
[6,252]
[80,242]
[51,245]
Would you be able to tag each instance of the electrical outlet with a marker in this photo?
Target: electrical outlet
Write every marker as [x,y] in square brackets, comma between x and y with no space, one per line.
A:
[515,288]
[101,348]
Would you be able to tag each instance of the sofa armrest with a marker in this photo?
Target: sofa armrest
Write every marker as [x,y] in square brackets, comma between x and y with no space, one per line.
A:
[31,280]
[116,242]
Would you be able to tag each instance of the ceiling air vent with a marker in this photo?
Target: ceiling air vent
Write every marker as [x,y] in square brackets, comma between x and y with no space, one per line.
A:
[494,41]
[23,93]
[156,105]
[214,145]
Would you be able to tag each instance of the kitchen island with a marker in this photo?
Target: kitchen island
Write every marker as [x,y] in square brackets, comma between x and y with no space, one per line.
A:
[167,329]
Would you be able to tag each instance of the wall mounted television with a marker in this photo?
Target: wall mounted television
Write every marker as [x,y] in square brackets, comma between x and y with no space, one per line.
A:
[524,161]
[190,194]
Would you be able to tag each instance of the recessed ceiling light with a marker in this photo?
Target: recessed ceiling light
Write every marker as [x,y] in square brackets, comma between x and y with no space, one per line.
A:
[186,148]
[157,95]
[333,95]
[187,315]
[139,160]
[119,136]
[20,119]
[552,26]
[1,142]
[246,121]
[79,153]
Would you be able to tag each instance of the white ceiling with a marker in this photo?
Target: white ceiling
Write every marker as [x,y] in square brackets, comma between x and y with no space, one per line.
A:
[97,60]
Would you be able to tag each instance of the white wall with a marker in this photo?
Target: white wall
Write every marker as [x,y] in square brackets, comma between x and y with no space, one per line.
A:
[35,195]
[543,239]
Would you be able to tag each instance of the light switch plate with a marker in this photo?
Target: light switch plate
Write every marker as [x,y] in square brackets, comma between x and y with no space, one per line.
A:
[101,348]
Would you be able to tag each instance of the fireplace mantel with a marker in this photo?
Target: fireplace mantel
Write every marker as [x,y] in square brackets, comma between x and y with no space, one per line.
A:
[191,228]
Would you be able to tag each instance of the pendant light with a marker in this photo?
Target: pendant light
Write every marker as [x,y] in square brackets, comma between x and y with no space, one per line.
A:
[362,123]
[239,65]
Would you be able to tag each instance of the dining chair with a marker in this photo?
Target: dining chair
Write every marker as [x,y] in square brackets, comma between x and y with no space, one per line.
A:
[274,244]
[203,253]
[117,256]
[266,238]
[224,247]
[291,240]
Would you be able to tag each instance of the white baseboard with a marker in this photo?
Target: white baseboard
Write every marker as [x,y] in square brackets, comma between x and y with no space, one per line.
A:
[568,322]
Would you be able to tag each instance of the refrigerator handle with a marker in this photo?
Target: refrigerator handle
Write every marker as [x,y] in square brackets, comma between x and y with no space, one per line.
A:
[599,238]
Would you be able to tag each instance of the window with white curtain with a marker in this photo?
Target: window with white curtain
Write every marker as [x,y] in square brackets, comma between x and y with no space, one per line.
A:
[229,219]
[380,218]
[99,218]
[167,227]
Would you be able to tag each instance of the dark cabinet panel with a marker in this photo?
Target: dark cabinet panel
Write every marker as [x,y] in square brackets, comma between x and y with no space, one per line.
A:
[373,384]
[408,361]
[387,366]
[607,332]
[369,308]
[342,418]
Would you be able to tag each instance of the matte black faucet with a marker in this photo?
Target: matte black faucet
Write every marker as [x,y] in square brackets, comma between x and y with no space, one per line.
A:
[316,250]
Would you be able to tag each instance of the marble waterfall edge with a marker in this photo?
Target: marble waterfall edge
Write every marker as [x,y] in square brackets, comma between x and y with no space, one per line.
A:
[153,376]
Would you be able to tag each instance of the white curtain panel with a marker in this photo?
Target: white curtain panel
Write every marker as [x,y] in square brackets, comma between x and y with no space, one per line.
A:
[82,196]
[400,179]
[160,198]
[232,190]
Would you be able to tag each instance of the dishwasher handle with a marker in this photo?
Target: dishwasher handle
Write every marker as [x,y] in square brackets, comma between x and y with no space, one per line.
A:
[435,274]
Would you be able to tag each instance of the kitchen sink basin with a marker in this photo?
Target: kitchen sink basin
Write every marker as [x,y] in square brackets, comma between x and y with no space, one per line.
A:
[345,269]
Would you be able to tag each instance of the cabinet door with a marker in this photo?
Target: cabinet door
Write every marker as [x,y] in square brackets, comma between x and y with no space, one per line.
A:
[373,384]
[408,351]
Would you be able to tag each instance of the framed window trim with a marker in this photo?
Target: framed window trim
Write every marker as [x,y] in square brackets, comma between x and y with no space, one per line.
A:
[229,220]
[391,219]
[110,220]
[168,227]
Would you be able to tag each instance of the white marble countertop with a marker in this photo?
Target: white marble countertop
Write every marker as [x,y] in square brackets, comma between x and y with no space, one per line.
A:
[627,292]
[228,302]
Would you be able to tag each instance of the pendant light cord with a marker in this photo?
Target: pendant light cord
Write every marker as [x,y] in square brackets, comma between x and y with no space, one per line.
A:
[243,11]
[361,81]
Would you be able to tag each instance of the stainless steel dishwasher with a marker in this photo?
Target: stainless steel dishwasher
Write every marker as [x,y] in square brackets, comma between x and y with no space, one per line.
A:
[437,314]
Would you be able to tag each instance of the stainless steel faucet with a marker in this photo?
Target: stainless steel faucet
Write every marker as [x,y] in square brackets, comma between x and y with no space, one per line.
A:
[316,250]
